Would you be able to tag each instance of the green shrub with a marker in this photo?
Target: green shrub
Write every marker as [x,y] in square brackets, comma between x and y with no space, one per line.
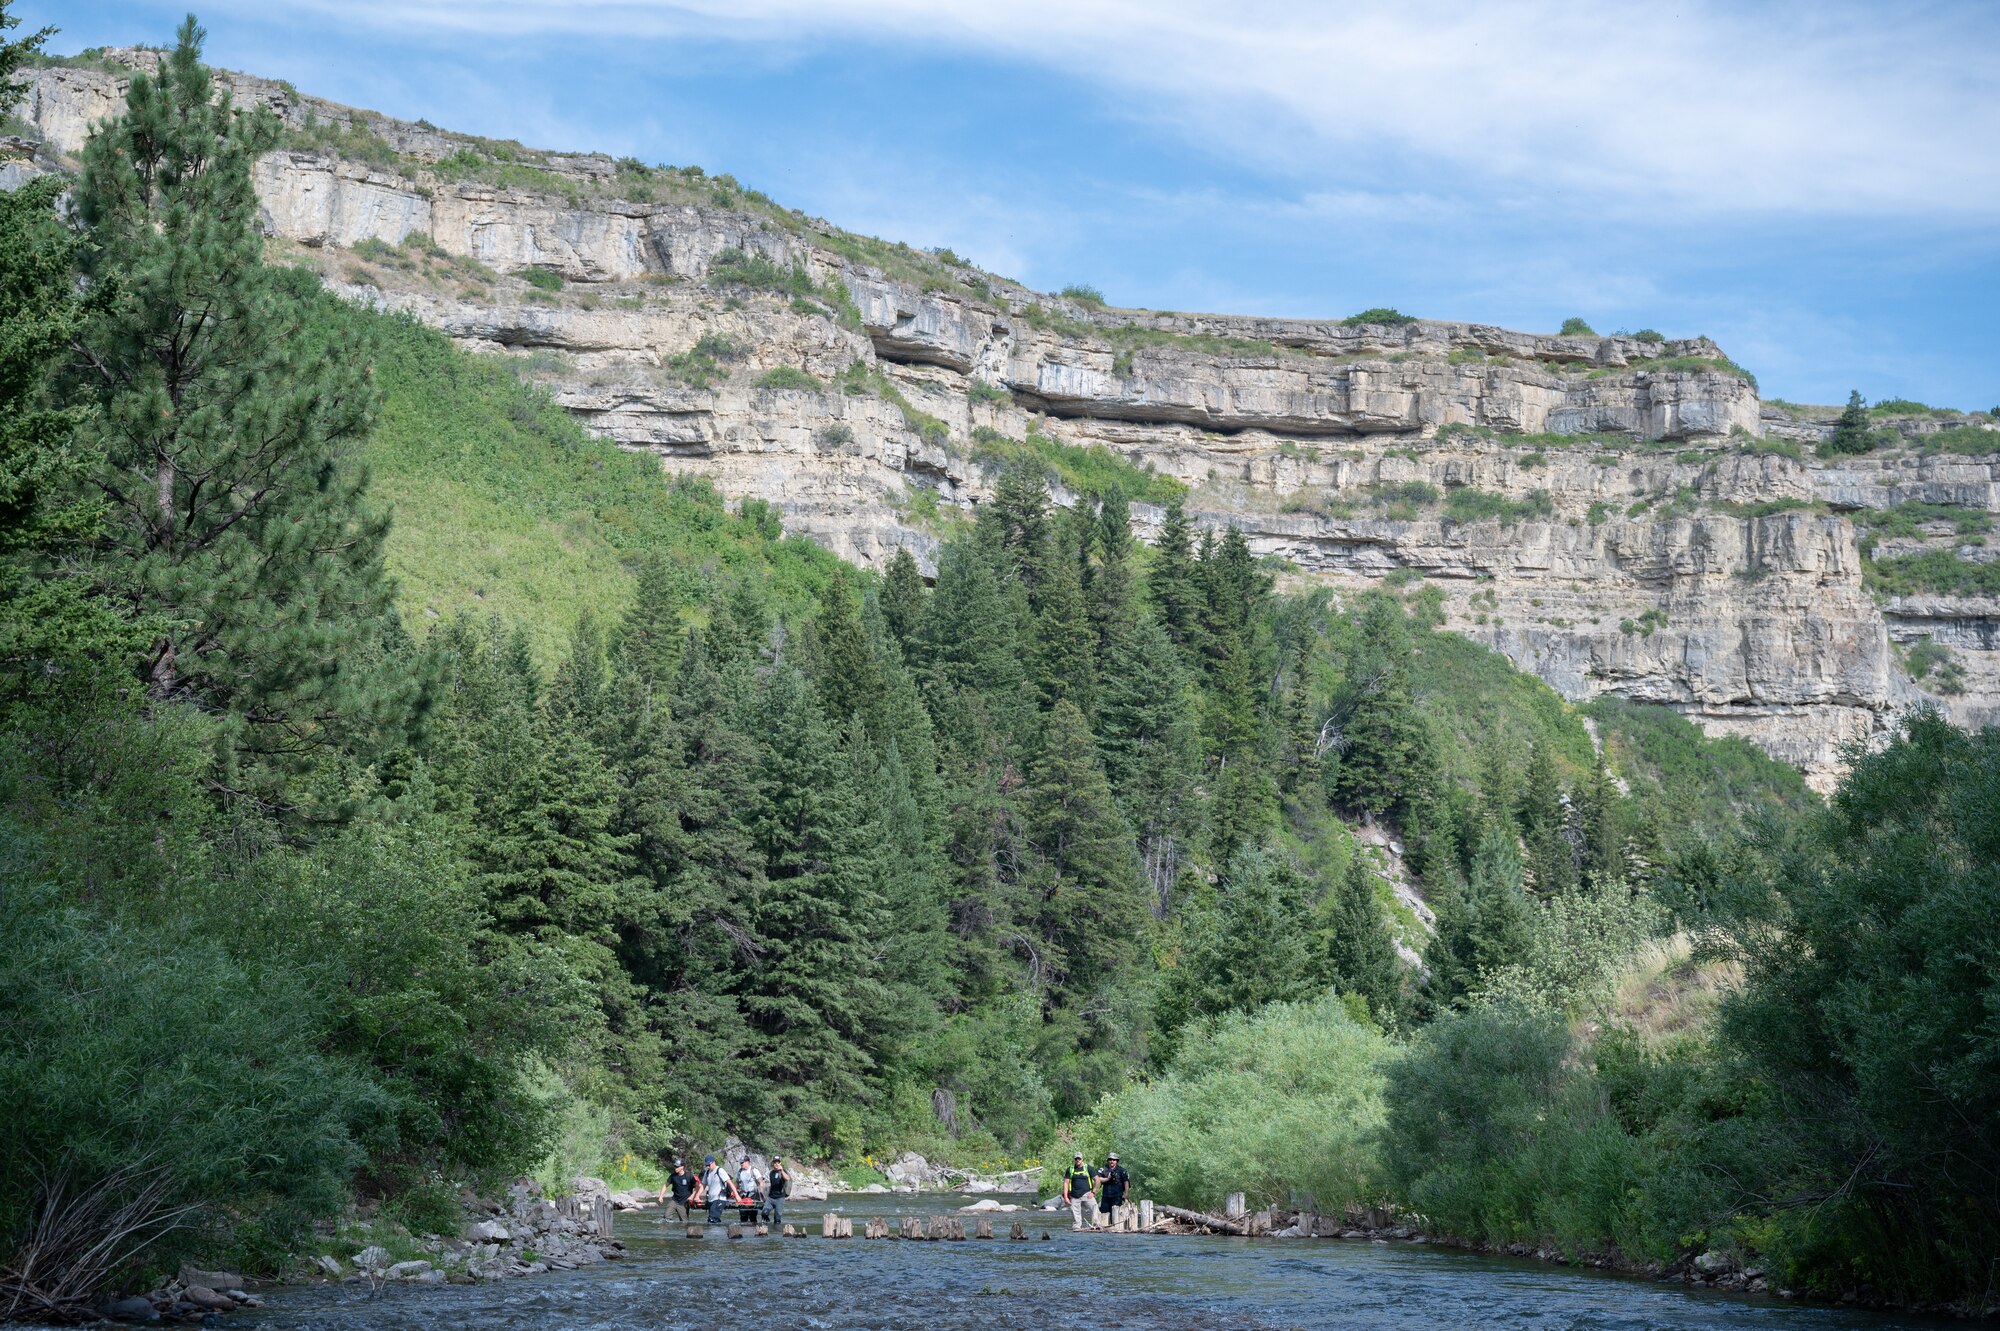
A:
[1574,327]
[1280,1103]
[1082,293]
[1923,657]
[1936,572]
[1682,365]
[703,365]
[1467,504]
[1966,440]
[1900,406]
[1650,336]
[154,1049]
[543,279]
[1910,517]
[784,377]
[1597,513]
[1500,1128]
[1090,470]
[979,390]
[355,143]
[1380,315]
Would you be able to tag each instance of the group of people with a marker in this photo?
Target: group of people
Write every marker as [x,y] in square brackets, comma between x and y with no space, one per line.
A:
[1093,1194]
[759,1199]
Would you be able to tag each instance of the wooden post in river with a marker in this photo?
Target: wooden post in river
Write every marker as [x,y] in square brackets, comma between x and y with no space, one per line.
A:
[1145,1215]
[1232,1206]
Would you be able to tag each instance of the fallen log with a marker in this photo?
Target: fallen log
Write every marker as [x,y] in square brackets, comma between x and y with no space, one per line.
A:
[1215,1222]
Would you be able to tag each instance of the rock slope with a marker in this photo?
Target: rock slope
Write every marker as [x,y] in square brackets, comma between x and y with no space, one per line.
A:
[1617,514]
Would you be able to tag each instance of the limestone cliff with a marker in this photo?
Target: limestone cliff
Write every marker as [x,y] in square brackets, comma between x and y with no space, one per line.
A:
[1617,514]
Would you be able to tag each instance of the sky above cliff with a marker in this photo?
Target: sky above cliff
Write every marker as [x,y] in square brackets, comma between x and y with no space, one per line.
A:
[1815,186]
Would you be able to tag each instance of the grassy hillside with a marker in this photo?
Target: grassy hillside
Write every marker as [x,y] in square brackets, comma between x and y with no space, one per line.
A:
[504,504]
[1698,781]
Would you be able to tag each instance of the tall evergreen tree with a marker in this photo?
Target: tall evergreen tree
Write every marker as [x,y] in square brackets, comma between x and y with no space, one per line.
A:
[842,661]
[50,630]
[1551,866]
[1481,925]
[236,521]
[903,596]
[1173,584]
[1065,640]
[815,994]
[1090,906]
[1360,952]
[1111,585]
[1255,945]
[1152,753]
[1020,507]
[650,635]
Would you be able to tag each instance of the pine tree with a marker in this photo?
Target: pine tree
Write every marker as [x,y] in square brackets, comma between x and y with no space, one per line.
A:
[650,635]
[556,861]
[1550,856]
[52,633]
[903,597]
[1151,751]
[236,524]
[1360,952]
[1381,739]
[1174,584]
[1603,826]
[912,948]
[1065,640]
[1256,946]
[1090,905]
[1020,507]
[842,662]
[815,994]
[1111,584]
[1481,926]
[1850,433]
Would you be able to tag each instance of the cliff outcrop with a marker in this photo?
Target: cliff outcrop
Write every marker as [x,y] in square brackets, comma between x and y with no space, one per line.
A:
[1617,514]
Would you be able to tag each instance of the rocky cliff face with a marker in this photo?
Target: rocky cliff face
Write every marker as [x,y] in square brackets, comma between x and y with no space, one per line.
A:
[1615,514]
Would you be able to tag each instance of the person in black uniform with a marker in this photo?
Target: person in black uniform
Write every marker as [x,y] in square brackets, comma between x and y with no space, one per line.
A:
[775,1191]
[681,1184]
[1112,1183]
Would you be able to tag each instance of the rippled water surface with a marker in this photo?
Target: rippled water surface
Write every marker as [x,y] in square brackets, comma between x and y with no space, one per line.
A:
[1080,1282]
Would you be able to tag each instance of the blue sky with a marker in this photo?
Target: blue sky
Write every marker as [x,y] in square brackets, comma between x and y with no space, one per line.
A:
[1817,186]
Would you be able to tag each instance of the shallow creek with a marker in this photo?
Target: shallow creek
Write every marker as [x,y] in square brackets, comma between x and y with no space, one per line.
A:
[1085,1282]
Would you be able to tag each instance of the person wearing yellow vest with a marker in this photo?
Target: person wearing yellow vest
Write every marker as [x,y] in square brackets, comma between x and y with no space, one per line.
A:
[1079,1190]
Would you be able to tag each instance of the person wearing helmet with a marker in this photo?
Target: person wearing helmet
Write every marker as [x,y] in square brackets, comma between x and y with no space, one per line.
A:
[1079,1190]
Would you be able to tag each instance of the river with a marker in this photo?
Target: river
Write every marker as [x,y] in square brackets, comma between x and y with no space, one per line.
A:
[1072,1283]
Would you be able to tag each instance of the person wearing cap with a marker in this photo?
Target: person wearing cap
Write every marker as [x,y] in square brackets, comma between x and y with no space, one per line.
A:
[684,1186]
[749,1195]
[716,1189]
[1078,1189]
[776,1190]
[1112,1181]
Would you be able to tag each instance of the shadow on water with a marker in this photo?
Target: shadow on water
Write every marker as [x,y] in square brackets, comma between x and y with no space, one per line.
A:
[1070,1283]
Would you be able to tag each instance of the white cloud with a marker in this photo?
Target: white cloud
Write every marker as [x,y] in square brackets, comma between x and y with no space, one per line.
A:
[1700,109]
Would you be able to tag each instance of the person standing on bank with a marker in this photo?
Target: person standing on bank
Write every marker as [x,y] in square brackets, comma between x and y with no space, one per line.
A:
[683,1185]
[715,1189]
[775,1192]
[1113,1182]
[1078,1190]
